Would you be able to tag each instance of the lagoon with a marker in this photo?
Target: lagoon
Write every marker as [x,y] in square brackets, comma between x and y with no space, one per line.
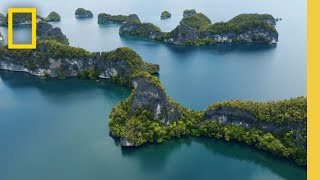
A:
[51,129]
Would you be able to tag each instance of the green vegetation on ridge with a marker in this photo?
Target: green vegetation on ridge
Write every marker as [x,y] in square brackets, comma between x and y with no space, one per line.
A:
[197,21]
[141,127]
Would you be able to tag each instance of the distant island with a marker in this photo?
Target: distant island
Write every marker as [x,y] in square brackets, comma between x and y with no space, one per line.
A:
[148,115]
[83,13]
[165,15]
[25,18]
[196,29]
[104,18]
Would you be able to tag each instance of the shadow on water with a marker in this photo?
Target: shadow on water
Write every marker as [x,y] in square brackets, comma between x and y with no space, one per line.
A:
[221,48]
[55,88]
[155,156]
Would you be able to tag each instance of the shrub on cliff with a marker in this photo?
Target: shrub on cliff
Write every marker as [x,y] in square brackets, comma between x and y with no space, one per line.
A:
[196,21]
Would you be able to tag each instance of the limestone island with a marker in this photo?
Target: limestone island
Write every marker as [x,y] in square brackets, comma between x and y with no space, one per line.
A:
[165,15]
[53,16]
[104,18]
[197,29]
[54,58]
[149,115]
[83,13]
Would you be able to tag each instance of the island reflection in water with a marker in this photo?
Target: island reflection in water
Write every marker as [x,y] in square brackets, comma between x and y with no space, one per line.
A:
[195,157]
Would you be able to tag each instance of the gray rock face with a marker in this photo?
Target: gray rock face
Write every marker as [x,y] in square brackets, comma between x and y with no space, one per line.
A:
[150,97]
[1,39]
[256,35]
[189,12]
[226,115]
[182,34]
[47,31]
[125,142]
[44,64]
[83,13]
[43,27]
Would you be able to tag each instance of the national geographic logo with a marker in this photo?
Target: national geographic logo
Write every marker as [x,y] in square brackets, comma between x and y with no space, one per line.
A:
[33,12]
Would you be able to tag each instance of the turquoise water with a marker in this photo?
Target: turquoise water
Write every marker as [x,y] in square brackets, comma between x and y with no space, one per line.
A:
[51,129]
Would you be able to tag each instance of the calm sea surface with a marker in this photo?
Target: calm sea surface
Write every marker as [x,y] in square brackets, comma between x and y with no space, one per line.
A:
[51,129]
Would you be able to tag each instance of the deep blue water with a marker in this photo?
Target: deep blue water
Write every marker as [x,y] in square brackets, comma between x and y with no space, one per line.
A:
[52,129]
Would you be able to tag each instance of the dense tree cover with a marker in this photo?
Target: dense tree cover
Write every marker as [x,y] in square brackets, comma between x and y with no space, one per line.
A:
[197,21]
[18,18]
[140,29]
[259,28]
[135,62]
[53,16]
[107,18]
[252,17]
[55,49]
[55,34]
[133,59]
[165,14]
[241,23]
[201,42]
[40,57]
[141,127]
[91,73]
[279,112]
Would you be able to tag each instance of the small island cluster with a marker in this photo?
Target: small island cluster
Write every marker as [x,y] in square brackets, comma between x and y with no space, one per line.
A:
[25,18]
[148,115]
[196,29]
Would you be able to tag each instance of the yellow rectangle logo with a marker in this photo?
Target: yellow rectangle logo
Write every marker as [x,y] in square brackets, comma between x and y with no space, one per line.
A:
[33,12]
